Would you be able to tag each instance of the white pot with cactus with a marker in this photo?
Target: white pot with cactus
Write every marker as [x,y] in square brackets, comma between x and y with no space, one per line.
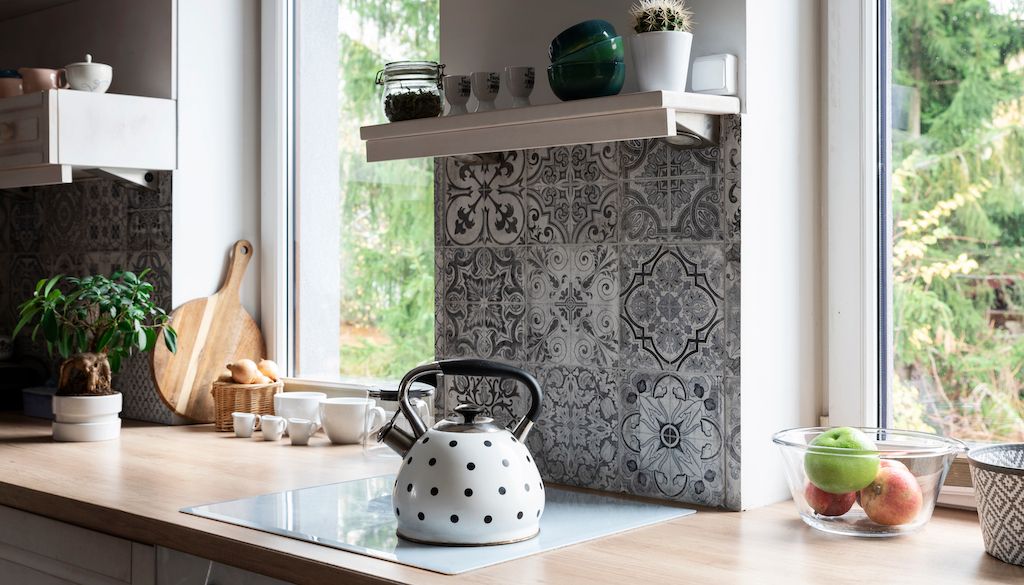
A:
[661,47]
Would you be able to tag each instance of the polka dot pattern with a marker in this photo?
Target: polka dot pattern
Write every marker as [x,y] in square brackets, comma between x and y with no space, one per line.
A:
[477,487]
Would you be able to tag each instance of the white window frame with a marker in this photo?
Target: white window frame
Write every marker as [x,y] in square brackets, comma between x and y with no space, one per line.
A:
[851,213]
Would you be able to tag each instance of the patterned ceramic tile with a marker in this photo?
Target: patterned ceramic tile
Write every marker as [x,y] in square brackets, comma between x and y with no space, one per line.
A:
[485,201]
[656,159]
[684,208]
[671,307]
[149,228]
[584,335]
[484,330]
[672,436]
[576,213]
[483,274]
[440,195]
[571,275]
[25,217]
[731,361]
[63,225]
[104,209]
[585,163]
[137,199]
[159,264]
[732,443]
[730,153]
[575,441]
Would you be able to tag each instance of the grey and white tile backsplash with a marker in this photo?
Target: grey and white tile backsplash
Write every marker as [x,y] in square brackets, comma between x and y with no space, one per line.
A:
[611,272]
[87,227]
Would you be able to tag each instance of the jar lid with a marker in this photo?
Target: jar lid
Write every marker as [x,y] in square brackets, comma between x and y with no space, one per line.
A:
[9,73]
[410,70]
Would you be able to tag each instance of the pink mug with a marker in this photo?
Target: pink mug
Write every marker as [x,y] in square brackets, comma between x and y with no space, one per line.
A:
[35,79]
[10,86]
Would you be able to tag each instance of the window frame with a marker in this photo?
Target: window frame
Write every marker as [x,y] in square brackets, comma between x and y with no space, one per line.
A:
[857,332]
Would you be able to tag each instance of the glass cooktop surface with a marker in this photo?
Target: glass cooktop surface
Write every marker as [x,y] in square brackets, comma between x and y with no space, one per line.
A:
[357,516]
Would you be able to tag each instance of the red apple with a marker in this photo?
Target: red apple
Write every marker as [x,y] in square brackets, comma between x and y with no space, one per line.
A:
[894,497]
[827,504]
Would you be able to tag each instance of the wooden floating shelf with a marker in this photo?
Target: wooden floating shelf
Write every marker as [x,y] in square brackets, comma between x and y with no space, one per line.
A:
[652,114]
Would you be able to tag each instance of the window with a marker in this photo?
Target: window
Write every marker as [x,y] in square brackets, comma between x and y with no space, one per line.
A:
[364,258]
[955,175]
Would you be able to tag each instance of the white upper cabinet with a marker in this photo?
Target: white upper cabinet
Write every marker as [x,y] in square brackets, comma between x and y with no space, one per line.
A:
[45,137]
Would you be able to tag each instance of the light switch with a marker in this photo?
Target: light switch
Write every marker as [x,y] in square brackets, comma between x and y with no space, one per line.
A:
[714,74]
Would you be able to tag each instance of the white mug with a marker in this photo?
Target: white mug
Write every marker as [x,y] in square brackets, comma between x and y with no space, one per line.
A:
[348,420]
[485,87]
[298,405]
[273,427]
[244,423]
[300,430]
[520,82]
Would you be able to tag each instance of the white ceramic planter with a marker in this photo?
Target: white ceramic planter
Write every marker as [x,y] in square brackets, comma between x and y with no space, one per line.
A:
[86,418]
[661,59]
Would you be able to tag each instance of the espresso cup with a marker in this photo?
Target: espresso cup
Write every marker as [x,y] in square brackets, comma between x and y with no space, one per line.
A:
[300,430]
[485,87]
[520,82]
[35,79]
[456,91]
[273,427]
[244,423]
[348,420]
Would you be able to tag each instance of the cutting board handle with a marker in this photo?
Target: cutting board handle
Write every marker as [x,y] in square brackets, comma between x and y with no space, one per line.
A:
[241,254]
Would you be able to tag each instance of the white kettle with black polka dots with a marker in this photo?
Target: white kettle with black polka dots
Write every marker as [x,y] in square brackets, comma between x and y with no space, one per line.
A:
[468,481]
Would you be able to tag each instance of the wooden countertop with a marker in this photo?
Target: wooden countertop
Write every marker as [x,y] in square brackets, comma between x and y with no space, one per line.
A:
[134,487]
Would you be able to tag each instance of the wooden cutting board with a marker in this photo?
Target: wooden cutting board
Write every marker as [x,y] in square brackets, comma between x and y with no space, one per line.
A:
[212,332]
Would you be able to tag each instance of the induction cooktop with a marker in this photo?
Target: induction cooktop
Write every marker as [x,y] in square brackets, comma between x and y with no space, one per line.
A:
[357,516]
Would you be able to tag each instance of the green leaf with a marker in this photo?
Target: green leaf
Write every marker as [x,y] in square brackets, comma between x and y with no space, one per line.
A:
[49,285]
[140,339]
[104,339]
[25,318]
[50,328]
[151,334]
[171,339]
[115,361]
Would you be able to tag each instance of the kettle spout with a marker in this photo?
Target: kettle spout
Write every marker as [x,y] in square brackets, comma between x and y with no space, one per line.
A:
[396,438]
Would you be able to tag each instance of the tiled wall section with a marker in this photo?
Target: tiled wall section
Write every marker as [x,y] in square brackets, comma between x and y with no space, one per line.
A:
[611,272]
[90,226]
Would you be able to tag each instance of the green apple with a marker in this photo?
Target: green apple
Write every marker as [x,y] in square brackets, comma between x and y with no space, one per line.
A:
[836,472]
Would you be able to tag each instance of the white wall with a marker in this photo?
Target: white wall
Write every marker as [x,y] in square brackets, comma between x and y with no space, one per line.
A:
[217,184]
[781,250]
[133,36]
[518,33]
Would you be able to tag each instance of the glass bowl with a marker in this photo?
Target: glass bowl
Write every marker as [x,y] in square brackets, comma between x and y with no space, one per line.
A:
[908,468]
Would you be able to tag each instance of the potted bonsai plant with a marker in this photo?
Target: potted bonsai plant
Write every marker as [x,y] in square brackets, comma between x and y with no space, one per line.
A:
[661,47]
[93,323]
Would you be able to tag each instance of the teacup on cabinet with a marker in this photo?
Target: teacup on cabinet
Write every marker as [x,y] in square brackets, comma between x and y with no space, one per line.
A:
[35,79]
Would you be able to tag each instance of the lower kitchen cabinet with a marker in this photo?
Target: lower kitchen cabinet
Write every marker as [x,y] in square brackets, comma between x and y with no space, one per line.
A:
[35,550]
[178,568]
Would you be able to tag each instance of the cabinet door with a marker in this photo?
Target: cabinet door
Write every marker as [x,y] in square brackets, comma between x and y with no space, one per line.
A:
[178,568]
[62,550]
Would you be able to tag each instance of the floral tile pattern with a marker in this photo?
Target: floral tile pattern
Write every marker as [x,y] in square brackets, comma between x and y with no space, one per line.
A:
[87,227]
[484,202]
[611,272]
[575,441]
[672,314]
[673,438]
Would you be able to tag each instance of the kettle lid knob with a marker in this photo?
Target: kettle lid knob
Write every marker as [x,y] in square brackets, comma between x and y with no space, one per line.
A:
[469,412]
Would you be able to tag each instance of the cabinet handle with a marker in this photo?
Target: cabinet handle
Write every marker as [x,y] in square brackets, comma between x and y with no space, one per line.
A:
[6,131]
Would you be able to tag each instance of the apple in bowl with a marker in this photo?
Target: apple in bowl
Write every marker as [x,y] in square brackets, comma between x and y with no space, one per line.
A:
[826,504]
[894,497]
[841,460]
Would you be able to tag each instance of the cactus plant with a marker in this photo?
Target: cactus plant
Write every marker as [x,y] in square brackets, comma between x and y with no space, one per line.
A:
[661,15]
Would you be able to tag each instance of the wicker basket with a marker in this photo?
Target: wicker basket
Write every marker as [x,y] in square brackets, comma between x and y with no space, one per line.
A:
[229,397]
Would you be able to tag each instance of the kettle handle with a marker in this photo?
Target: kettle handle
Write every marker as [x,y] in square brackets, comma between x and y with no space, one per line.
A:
[486,368]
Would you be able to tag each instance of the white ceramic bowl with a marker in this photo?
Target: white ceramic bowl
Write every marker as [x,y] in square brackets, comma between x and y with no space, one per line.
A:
[298,405]
[82,432]
[85,409]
